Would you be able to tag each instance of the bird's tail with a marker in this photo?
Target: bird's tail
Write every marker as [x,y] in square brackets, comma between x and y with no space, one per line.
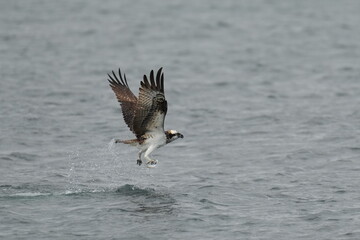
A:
[133,142]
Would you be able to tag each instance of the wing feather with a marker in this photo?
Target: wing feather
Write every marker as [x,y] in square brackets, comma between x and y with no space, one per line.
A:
[151,106]
[125,97]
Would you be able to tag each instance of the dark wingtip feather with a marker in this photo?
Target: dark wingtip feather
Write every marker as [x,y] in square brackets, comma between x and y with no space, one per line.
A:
[162,82]
[114,80]
[125,80]
[158,83]
[120,75]
[110,77]
[154,83]
[152,80]
[111,80]
[115,77]
[145,82]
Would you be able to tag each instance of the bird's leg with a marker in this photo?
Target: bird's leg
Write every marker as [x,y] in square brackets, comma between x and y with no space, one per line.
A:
[139,162]
[150,162]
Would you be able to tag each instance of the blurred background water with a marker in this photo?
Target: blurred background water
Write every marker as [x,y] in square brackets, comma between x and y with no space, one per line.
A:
[267,94]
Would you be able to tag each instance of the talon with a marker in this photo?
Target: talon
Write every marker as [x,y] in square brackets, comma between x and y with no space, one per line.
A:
[151,163]
[138,162]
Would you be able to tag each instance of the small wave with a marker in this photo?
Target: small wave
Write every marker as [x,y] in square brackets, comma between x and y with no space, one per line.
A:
[85,191]
[24,191]
[132,190]
[125,190]
[19,156]
[9,191]
[209,202]
[30,194]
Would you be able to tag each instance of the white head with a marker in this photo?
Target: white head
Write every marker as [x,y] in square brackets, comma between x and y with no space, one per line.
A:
[172,135]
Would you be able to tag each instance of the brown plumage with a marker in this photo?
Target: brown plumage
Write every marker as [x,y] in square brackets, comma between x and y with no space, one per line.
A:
[140,113]
[144,115]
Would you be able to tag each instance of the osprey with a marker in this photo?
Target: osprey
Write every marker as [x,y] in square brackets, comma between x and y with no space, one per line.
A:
[144,115]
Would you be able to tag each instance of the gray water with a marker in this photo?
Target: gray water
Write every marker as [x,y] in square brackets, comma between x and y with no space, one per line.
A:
[266,93]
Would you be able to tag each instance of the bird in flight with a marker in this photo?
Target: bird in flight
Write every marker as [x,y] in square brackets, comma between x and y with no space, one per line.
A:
[144,115]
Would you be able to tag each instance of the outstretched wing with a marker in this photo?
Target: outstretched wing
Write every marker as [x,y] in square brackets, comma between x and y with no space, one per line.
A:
[125,97]
[151,107]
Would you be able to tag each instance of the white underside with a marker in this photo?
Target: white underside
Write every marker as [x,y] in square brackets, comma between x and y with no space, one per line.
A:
[154,141]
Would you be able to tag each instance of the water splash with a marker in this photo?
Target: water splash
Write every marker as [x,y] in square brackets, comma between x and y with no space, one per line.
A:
[105,167]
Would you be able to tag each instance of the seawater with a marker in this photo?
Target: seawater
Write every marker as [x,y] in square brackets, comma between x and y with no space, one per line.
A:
[266,93]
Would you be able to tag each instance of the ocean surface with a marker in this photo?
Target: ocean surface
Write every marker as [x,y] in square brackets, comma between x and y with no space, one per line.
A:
[266,93]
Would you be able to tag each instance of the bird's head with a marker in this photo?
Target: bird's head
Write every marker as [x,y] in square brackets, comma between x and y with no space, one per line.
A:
[172,135]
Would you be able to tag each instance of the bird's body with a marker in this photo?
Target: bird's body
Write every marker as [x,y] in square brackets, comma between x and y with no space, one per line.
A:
[144,115]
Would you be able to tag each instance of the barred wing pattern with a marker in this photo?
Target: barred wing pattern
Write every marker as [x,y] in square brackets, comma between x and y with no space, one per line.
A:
[147,112]
[151,106]
[125,97]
